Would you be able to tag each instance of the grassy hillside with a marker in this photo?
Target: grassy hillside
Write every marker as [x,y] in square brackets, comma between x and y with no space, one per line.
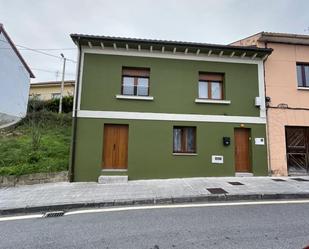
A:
[40,143]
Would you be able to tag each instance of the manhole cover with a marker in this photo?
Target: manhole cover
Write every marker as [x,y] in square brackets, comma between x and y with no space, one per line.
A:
[216,190]
[53,214]
[278,180]
[300,179]
[236,183]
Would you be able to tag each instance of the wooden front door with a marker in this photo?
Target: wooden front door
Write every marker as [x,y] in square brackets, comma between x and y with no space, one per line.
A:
[115,146]
[242,150]
[297,149]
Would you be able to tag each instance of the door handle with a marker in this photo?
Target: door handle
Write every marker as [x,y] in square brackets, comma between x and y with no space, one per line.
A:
[114,147]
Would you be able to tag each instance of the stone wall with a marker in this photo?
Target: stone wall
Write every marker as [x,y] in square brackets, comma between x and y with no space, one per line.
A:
[11,181]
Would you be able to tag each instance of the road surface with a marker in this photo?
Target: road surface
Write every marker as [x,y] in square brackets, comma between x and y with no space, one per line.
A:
[240,226]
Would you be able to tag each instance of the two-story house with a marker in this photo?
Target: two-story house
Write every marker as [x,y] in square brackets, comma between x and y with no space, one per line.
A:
[165,109]
[287,92]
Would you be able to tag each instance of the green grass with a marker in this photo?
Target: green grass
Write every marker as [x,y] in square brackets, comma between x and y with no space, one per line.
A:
[19,155]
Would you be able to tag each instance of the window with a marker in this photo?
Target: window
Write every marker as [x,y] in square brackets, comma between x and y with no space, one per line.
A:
[35,96]
[135,81]
[55,95]
[210,86]
[184,139]
[302,74]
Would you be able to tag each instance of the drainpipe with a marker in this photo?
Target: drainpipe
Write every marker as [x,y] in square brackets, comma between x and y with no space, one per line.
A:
[267,130]
[74,123]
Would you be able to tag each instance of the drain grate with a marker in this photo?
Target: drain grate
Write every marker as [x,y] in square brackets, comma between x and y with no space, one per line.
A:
[53,214]
[278,180]
[236,183]
[217,191]
[300,179]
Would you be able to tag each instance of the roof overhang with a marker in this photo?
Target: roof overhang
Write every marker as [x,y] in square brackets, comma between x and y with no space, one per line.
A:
[284,38]
[163,46]
[52,83]
[2,30]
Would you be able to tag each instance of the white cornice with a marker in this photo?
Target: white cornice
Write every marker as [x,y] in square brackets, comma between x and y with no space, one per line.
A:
[170,117]
[171,55]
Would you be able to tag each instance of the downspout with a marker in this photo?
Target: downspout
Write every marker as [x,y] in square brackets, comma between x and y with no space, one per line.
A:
[267,130]
[74,123]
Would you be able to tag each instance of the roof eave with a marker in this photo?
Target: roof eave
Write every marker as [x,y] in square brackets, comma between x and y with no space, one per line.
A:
[80,39]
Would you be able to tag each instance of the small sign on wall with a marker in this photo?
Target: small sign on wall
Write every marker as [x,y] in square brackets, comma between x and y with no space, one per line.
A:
[259,141]
[217,159]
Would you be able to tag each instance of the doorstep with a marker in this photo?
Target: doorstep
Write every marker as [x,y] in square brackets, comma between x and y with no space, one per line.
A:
[112,179]
[243,174]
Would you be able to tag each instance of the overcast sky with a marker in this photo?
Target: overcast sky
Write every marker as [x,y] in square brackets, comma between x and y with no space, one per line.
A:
[47,24]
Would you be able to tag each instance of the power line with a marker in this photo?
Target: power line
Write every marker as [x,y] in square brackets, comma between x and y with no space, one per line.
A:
[50,49]
[38,51]
[49,71]
[44,49]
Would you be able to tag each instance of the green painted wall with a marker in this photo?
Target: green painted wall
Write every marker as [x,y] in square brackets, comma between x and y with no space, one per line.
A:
[173,84]
[151,145]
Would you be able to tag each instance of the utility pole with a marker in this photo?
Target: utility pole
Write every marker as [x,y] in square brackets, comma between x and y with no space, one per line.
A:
[62,83]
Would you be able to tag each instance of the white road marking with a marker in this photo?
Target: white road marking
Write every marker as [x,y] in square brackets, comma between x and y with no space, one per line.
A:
[21,217]
[190,205]
[167,206]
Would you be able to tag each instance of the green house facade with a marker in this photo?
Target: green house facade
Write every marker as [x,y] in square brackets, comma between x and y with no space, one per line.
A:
[151,109]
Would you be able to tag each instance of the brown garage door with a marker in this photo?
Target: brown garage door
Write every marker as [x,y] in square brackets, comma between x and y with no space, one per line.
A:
[297,149]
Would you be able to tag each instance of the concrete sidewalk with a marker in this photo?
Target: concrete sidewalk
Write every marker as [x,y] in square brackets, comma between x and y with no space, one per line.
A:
[63,196]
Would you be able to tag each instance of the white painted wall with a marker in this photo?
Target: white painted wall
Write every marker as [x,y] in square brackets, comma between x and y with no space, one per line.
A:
[14,82]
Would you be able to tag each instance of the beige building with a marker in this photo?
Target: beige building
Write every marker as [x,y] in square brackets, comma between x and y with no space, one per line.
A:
[287,91]
[51,90]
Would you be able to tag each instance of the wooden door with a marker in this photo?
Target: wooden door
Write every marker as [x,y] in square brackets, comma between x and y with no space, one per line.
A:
[297,149]
[115,146]
[242,150]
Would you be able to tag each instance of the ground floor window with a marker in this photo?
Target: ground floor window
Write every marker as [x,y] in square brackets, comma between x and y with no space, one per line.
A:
[184,140]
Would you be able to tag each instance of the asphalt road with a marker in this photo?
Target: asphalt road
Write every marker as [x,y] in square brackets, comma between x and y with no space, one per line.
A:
[258,226]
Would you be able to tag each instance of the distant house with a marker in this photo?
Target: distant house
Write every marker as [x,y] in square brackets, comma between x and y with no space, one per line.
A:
[51,90]
[15,77]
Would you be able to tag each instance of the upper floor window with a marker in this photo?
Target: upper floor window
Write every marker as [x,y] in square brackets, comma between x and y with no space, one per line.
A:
[210,86]
[302,74]
[135,81]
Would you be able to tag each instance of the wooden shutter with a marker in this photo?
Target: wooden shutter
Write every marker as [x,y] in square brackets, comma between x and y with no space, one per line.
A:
[211,77]
[135,72]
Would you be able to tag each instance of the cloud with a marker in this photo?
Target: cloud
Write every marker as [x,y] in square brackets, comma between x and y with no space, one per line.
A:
[48,23]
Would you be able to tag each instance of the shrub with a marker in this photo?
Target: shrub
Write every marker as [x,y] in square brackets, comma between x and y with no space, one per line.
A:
[47,118]
[36,105]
